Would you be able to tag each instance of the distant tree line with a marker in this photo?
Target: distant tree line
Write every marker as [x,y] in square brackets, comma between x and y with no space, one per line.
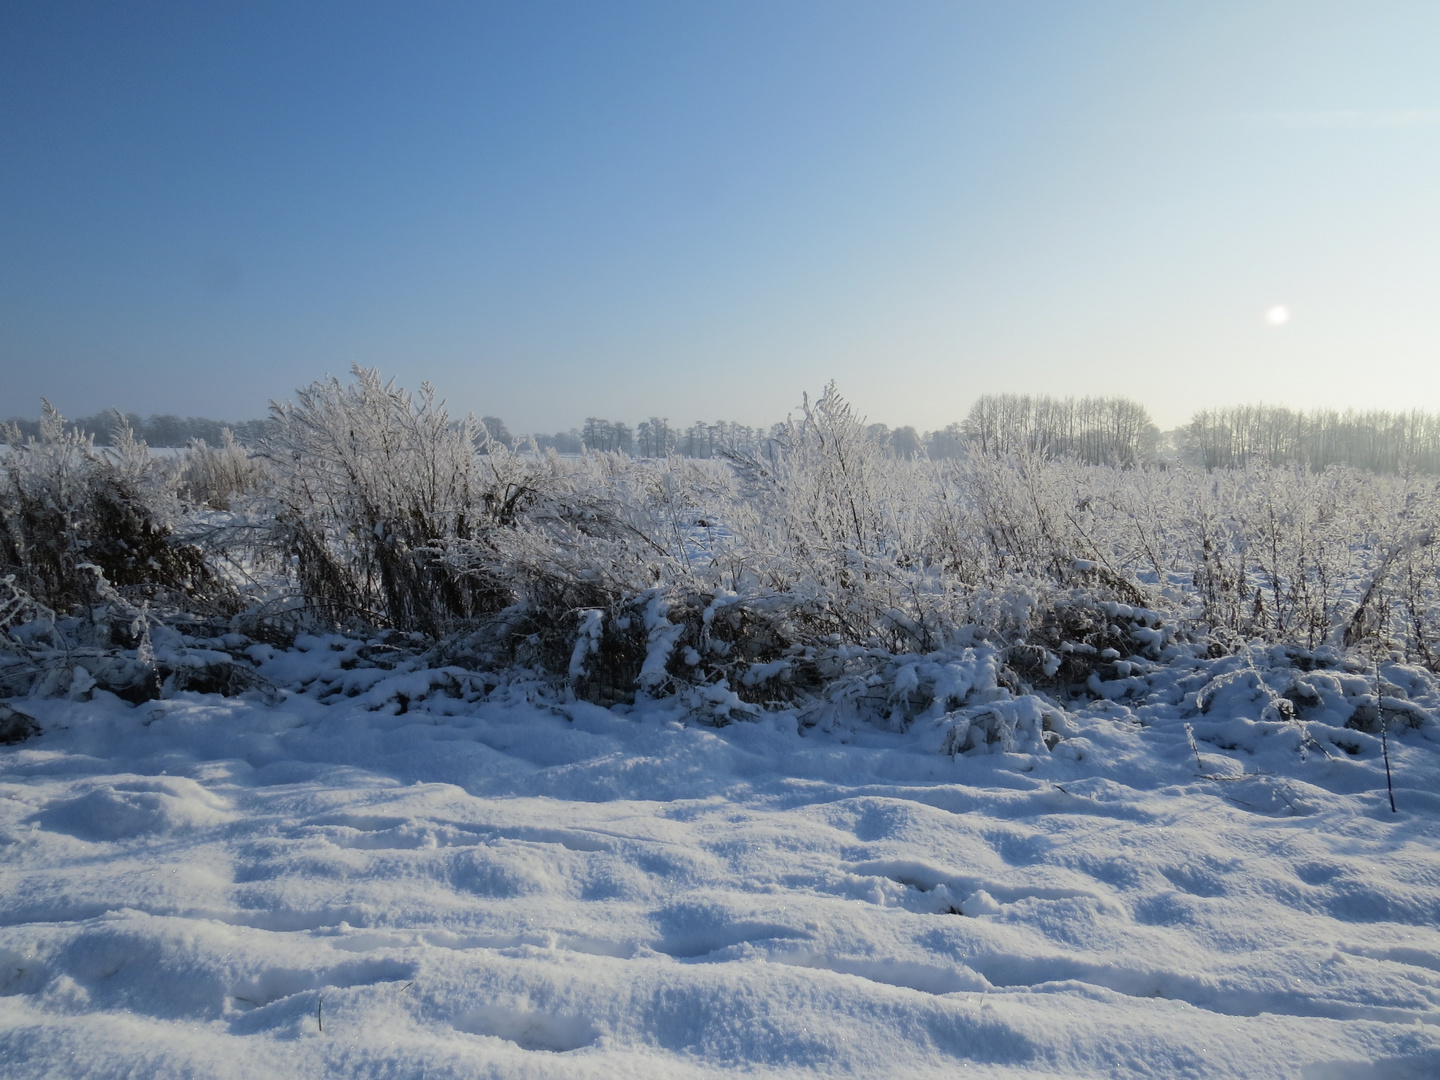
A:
[1382,442]
[652,438]
[1094,430]
[1119,431]
[656,438]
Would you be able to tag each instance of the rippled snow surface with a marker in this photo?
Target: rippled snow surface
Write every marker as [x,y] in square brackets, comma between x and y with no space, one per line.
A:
[222,888]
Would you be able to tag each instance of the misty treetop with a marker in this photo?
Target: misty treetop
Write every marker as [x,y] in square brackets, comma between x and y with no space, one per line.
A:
[1385,442]
[1093,430]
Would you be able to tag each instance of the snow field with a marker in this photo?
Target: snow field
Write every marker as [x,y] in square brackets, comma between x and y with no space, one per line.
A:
[205,886]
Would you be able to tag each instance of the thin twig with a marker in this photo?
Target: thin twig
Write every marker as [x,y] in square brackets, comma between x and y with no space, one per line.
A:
[1385,752]
[1190,734]
[1384,729]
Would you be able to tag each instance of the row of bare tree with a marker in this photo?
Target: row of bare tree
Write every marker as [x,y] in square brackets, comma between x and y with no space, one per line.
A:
[1095,430]
[1092,430]
[1111,430]
[1383,442]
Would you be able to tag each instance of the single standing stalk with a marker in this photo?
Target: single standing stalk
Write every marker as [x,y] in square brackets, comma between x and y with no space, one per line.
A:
[1385,750]
[1384,734]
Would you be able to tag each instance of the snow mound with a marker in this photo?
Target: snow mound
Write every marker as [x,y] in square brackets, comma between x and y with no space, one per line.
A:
[125,808]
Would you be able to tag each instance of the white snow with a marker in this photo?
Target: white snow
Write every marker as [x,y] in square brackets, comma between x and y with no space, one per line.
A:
[403,883]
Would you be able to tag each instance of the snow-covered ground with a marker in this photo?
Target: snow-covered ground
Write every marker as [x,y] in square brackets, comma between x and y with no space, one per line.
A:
[401,883]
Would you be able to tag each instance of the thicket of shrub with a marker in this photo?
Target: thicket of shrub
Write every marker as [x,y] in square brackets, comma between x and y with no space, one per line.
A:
[68,510]
[818,570]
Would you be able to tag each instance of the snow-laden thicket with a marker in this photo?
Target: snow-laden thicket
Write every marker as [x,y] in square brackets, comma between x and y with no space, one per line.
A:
[71,516]
[820,573]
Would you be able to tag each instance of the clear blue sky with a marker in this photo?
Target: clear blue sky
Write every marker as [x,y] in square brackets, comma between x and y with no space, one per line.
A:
[701,209]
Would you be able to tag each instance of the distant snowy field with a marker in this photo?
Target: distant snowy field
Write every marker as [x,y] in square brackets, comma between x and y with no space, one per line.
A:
[401,884]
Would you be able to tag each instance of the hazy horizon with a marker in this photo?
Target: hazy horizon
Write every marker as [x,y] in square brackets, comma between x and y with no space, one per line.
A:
[679,424]
[561,210]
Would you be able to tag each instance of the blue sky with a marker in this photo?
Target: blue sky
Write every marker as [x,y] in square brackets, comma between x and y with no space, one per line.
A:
[699,210]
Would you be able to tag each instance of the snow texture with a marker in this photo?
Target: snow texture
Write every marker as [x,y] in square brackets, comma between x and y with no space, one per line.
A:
[390,877]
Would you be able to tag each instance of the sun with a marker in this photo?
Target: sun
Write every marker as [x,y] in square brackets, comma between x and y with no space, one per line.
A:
[1278,315]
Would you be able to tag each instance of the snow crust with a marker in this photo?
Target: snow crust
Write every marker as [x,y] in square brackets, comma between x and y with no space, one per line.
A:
[395,881]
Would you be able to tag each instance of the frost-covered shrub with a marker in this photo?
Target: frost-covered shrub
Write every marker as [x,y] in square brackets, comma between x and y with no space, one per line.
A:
[828,517]
[1278,555]
[390,516]
[736,651]
[834,555]
[1271,550]
[598,535]
[825,555]
[127,649]
[764,577]
[1414,578]
[808,573]
[819,572]
[136,642]
[214,476]
[372,487]
[65,506]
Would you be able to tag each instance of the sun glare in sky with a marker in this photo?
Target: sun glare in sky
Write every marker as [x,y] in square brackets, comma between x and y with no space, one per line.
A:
[1278,315]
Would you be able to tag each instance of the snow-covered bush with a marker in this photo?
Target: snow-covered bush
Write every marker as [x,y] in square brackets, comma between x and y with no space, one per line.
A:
[829,518]
[811,563]
[592,536]
[92,562]
[819,572]
[118,646]
[834,555]
[214,476]
[390,516]
[372,486]
[65,506]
